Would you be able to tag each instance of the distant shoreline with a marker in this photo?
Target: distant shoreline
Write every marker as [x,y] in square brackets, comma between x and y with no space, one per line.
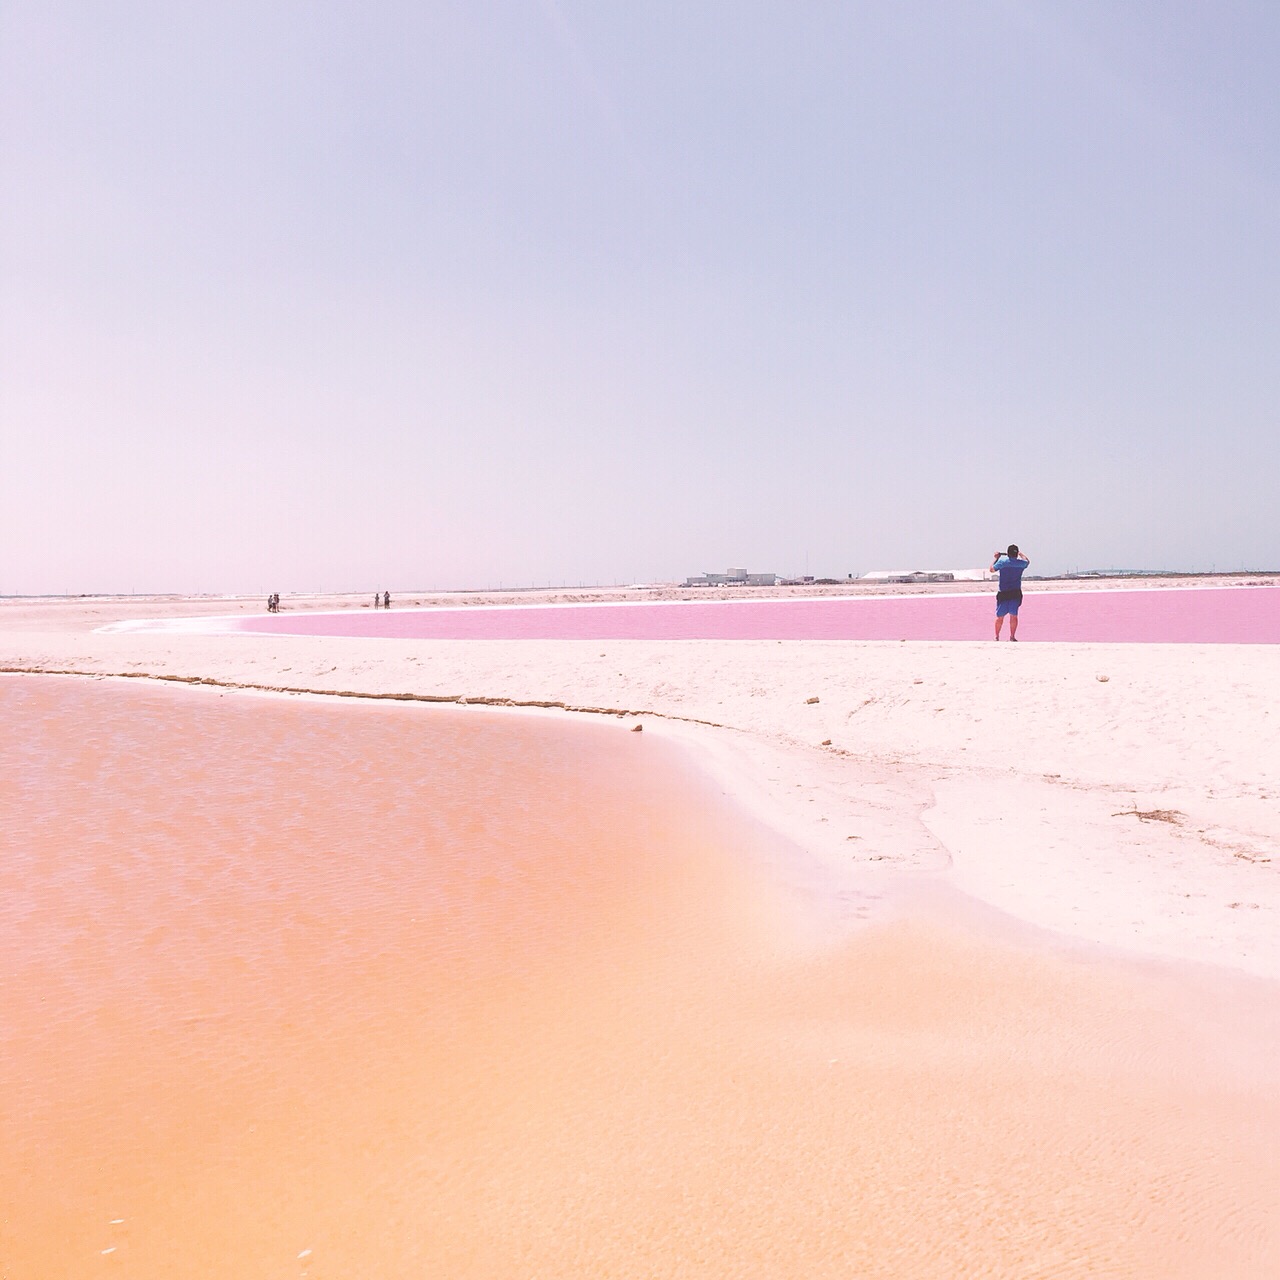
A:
[1102,579]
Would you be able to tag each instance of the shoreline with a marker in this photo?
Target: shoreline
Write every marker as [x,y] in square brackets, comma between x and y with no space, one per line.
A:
[918,763]
[879,893]
[627,598]
[605,593]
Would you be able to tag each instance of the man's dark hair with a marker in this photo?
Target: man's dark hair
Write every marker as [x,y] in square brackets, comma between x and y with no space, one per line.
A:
[1013,549]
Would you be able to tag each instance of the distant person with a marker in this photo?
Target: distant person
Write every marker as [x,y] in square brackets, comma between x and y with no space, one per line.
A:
[271,604]
[386,599]
[377,600]
[1010,566]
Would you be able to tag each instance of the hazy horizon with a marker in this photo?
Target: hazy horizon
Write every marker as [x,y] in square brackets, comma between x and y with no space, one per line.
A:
[400,594]
[317,295]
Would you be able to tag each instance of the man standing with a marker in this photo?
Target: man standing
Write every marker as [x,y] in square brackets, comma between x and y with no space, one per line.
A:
[1009,565]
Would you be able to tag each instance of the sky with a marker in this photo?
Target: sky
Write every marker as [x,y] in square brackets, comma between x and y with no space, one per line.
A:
[339,296]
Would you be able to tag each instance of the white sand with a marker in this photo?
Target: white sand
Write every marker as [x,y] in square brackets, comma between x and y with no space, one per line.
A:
[1012,773]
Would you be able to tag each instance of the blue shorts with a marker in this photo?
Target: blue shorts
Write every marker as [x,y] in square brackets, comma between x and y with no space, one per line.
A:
[1006,608]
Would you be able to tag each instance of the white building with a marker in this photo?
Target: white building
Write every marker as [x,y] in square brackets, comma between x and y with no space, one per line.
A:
[926,575]
[733,578]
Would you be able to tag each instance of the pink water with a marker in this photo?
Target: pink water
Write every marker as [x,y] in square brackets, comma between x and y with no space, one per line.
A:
[1198,615]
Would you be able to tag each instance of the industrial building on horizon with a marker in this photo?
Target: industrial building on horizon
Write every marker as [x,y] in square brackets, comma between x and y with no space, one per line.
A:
[926,575]
[743,578]
[733,578]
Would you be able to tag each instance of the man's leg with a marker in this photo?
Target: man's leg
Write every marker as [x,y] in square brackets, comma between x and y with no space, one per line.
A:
[999,624]
[1013,626]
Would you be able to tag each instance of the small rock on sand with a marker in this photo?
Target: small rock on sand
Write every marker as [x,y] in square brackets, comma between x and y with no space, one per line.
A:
[808,702]
[637,728]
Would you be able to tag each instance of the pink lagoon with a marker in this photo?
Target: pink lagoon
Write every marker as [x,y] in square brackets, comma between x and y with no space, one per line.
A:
[1193,615]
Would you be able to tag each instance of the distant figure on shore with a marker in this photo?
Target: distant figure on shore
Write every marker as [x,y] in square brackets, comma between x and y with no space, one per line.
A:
[377,600]
[273,602]
[1009,565]
[386,599]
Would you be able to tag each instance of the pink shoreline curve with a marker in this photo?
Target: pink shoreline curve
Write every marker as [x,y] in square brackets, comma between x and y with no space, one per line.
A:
[1196,615]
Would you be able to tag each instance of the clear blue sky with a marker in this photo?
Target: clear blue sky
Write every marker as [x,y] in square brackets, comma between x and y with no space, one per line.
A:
[299,295]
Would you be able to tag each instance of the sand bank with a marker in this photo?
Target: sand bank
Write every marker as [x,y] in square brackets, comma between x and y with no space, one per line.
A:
[1123,795]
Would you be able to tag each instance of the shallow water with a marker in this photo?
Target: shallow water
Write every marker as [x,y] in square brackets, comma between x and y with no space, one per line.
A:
[298,988]
[1187,615]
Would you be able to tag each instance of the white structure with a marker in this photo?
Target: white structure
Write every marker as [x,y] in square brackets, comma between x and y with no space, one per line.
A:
[926,575]
[733,578]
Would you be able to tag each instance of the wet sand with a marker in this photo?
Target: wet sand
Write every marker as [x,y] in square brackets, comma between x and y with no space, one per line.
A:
[297,988]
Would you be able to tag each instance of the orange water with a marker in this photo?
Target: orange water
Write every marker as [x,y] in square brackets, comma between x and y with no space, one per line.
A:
[307,989]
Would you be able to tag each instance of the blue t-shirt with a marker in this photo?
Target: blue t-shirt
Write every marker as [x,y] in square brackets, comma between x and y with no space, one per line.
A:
[1011,573]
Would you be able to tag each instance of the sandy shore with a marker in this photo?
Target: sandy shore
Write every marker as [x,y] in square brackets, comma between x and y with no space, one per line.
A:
[1127,796]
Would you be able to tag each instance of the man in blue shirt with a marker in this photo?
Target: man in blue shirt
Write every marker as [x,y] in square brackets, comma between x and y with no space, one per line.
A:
[1009,565]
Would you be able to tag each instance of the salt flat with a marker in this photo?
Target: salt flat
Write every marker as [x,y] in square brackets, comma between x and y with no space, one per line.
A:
[1124,795]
